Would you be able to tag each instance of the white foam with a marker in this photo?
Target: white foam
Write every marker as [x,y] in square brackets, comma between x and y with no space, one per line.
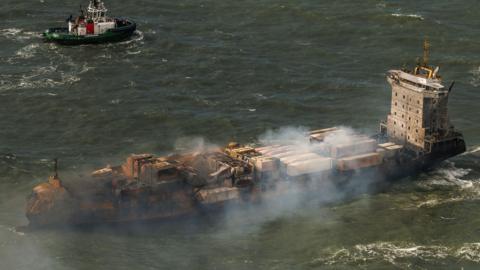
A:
[259,96]
[17,34]
[136,37]
[396,253]
[115,101]
[10,32]
[450,177]
[134,53]
[414,16]
[60,70]
[430,203]
[472,151]
[469,252]
[475,80]
[13,230]
[28,51]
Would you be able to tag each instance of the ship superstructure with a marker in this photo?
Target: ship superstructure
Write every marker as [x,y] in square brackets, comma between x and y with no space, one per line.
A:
[418,117]
[416,136]
[95,22]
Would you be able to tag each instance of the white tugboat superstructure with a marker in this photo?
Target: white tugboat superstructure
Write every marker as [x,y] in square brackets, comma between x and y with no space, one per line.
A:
[95,22]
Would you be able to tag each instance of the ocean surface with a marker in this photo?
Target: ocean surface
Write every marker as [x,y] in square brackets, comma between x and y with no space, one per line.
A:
[228,70]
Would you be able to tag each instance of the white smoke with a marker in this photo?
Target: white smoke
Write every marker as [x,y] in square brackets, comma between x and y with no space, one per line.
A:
[194,144]
[321,188]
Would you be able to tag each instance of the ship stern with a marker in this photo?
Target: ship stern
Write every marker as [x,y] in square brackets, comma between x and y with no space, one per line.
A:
[48,204]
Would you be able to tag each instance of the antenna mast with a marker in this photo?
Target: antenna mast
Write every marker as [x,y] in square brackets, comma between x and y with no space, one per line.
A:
[55,168]
[426,52]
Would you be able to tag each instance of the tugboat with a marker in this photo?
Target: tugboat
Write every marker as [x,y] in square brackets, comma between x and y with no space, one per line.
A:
[91,27]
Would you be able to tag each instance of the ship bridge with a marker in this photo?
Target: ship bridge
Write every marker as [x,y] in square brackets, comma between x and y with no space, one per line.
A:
[418,116]
[418,82]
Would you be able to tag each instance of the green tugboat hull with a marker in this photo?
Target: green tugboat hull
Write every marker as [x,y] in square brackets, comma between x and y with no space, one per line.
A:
[62,36]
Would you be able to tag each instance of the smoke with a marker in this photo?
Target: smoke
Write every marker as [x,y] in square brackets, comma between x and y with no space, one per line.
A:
[194,144]
[293,195]
[286,136]
[289,198]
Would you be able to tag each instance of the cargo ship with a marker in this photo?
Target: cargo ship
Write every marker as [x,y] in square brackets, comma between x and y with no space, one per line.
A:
[92,26]
[416,135]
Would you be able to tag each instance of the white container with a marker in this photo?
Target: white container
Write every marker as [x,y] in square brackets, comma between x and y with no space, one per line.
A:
[277,150]
[299,157]
[288,153]
[311,166]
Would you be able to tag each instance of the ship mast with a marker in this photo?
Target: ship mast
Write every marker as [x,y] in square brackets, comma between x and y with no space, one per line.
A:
[96,11]
[426,52]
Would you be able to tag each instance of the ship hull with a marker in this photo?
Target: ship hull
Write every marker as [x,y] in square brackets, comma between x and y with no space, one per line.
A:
[145,205]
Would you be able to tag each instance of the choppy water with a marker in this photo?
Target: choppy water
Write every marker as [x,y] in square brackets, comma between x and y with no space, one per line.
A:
[231,70]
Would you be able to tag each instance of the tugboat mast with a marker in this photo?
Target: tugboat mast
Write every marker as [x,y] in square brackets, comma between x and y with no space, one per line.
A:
[96,11]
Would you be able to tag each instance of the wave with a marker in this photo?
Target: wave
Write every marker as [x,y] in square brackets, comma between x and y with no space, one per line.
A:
[18,34]
[473,150]
[454,180]
[58,70]
[12,230]
[398,254]
[137,36]
[453,174]
[26,52]
[413,16]
[448,175]
[134,52]
[475,81]
[41,77]
[469,252]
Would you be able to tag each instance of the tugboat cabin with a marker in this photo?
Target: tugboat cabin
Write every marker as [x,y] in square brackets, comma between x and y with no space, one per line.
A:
[95,22]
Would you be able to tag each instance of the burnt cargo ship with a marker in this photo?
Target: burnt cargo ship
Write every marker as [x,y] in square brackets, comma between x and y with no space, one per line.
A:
[416,135]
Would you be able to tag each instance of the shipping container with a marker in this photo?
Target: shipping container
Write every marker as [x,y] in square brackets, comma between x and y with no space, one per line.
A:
[311,166]
[358,162]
